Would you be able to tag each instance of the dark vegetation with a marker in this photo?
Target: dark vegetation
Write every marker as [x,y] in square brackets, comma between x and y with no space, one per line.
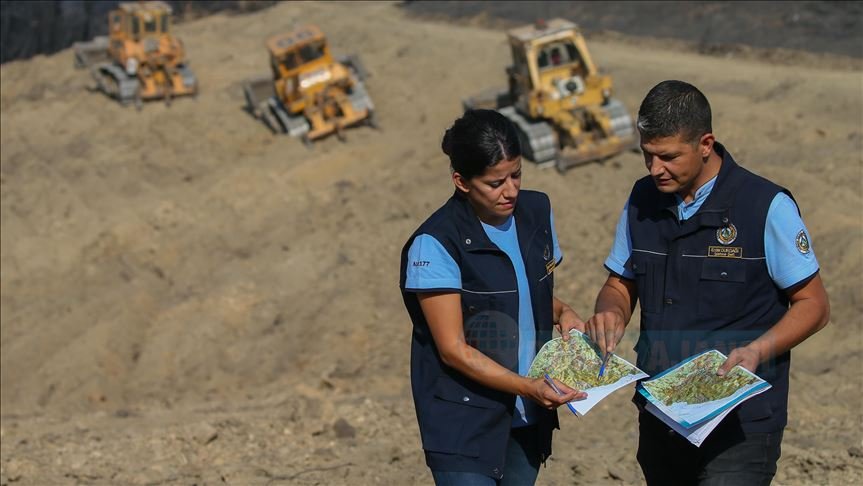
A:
[28,28]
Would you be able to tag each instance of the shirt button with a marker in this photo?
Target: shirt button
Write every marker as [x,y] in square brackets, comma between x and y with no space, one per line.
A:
[496,471]
[723,274]
[465,399]
[671,432]
[668,301]
[467,241]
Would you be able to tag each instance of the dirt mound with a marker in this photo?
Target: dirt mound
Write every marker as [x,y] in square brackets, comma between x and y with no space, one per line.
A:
[187,298]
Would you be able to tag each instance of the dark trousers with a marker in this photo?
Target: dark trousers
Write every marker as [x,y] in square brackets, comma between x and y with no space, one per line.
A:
[728,457]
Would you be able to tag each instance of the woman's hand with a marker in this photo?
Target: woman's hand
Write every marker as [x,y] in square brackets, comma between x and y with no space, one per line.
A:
[567,320]
[542,393]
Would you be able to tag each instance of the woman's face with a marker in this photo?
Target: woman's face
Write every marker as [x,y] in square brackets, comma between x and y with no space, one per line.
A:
[494,192]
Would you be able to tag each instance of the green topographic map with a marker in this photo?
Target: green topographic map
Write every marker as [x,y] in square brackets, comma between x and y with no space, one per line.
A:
[697,382]
[576,363]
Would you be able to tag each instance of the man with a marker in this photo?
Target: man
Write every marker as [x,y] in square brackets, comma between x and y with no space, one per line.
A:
[718,257]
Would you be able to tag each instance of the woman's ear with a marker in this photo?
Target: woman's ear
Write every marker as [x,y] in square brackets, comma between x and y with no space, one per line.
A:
[460,183]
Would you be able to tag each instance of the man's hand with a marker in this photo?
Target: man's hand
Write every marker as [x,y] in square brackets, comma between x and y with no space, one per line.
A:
[542,393]
[746,357]
[568,320]
[614,306]
[606,329]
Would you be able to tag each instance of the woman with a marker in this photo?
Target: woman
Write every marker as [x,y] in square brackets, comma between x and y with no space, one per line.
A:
[477,280]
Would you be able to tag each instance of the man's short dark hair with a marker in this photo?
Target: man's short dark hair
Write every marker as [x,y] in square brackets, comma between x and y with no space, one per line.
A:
[674,108]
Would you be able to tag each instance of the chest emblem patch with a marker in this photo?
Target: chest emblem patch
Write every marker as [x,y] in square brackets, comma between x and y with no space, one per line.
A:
[546,254]
[802,242]
[727,234]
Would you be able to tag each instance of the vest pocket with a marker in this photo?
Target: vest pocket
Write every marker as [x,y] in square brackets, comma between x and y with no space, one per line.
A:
[460,420]
[649,276]
[721,286]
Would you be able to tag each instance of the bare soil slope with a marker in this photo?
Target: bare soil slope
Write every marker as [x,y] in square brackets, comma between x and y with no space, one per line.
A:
[188,299]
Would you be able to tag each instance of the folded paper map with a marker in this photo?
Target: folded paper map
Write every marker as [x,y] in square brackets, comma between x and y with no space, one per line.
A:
[692,399]
[576,363]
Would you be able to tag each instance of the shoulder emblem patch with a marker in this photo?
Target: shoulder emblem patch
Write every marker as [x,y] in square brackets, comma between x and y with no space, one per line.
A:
[802,242]
[727,234]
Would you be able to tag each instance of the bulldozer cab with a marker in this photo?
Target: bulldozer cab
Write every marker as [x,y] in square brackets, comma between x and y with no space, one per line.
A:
[557,54]
[303,50]
[551,64]
[135,21]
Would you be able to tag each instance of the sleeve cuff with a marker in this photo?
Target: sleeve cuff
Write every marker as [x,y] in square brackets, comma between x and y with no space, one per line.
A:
[432,289]
[618,269]
[799,281]
[433,285]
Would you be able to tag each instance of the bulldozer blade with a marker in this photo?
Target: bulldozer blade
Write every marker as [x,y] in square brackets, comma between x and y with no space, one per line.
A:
[491,99]
[372,121]
[563,163]
[570,158]
[91,53]
[353,62]
[258,91]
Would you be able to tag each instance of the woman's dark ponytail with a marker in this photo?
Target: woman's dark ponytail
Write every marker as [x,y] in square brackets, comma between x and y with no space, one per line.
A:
[480,139]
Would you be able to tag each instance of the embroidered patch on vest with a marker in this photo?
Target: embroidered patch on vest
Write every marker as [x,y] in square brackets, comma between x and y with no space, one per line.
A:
[725,251]
[549,266]
[546,254]
[727,234]
[802,242]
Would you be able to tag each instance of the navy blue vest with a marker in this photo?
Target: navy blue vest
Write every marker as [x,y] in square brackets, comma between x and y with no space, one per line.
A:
[703,283]
[465,426]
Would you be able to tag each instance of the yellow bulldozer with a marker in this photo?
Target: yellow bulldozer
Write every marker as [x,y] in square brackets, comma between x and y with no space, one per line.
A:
[310,93]
[140,59]
[562,105]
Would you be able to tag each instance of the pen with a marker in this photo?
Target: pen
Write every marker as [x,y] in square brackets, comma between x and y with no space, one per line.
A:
[552,385]
[604,363]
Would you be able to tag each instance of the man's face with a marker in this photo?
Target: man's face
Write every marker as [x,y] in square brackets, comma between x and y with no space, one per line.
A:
[676,164]
[493,193]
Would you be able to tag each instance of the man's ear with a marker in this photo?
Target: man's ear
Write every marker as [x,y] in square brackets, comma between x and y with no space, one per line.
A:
[460,183]
[705,145]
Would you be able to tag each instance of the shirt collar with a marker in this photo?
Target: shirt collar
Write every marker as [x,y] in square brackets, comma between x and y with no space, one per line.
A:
[700,194]
[503,227]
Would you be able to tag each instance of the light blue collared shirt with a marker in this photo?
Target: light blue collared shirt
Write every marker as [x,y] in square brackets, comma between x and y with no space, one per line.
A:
[786,264]
[438,271]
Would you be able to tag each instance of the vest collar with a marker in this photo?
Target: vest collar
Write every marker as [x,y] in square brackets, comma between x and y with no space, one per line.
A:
[715,210]
[472,236]
[725,187]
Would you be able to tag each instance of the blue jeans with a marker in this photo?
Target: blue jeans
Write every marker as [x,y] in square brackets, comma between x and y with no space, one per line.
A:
[521,467]
[729,457]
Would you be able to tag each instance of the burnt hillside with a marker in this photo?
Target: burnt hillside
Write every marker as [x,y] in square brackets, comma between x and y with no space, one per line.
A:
[28,28]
